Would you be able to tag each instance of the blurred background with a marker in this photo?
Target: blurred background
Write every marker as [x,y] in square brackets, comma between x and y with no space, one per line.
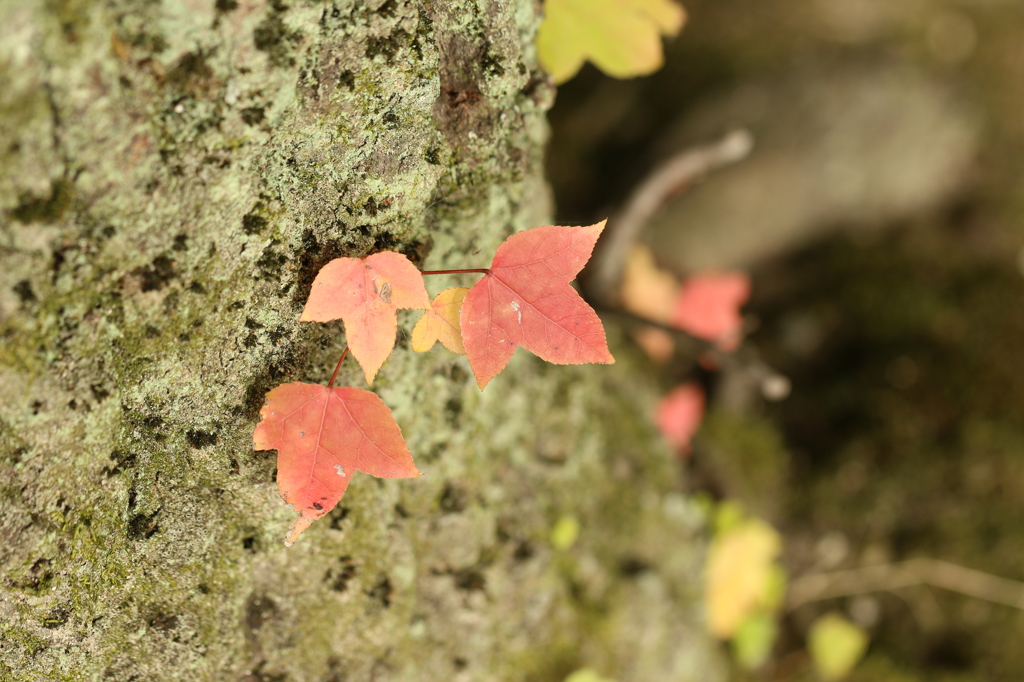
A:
[880,217]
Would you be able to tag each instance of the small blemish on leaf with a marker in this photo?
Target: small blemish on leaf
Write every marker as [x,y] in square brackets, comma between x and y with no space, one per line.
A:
[385,292]
[519,311]
[318,506]
[340,470]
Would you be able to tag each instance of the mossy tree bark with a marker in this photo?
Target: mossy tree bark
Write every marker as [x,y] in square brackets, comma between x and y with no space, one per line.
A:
[173,175]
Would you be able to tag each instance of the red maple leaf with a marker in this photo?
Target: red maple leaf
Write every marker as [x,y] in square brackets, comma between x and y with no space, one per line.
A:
[322,435]
[525,300]
[680,414]
[365,293]
[709,304]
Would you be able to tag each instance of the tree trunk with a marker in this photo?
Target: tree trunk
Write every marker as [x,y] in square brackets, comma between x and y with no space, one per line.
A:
[173,175]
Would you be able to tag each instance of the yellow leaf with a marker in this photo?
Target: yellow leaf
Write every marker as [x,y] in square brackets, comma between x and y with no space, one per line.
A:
[441,323]
[586,675]
[621,37]
[739,574]
[565,532]
[836,645]
[647,290]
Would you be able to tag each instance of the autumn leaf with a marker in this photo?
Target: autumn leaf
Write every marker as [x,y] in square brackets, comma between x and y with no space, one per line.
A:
[322,435]
[621,37]
[650,292]
[740,574]
[709,304]
[836,645]
[525,300]
[366,293]
[679,415]
[441,323]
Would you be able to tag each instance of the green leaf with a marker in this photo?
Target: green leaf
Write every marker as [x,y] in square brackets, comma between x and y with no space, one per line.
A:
[754,639]
[836,645]
[621,37]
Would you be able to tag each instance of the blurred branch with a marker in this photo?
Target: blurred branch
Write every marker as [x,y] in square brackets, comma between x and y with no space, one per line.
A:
[889,577]
[773,385]
[666,181]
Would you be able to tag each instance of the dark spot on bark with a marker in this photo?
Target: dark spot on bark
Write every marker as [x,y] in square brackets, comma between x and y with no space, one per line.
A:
[250,340]
[157,274]
[401,512]
[454,498]
[491,65]
[249,544]
[180,243]
[201,439]
[524,551]
[163,622]
[253,223]
[235,468]
[632,566]
[122,461]
[271,262]
[388,46]
[258,610]
[387,9]
[433,156]
[151,331]
[347,78]
[469,579]
[417,251]
[339,576]
[99,393]
[381,591]
[73,404]
[46,209]
[24,291]
[237,305]
[456,98]
[253,115]
[142,527]
[459,663]
[56,617]
[452,410]
[197,288]
[337,515]
[225,6]
[276,39]
[193,77]
[391,120]
[252,324]
[36,406]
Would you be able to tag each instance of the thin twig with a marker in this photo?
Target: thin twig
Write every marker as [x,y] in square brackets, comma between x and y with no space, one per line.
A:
[330,384]
[666,181]
[889,577]
[454,272]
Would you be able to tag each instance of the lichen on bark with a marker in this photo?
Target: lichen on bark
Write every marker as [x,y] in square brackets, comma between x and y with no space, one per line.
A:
[173,175]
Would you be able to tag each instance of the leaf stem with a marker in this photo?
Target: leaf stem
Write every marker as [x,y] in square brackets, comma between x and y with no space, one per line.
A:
[453,272]
[330,384]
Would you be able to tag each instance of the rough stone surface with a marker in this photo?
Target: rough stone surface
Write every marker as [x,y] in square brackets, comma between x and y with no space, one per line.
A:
[172,176]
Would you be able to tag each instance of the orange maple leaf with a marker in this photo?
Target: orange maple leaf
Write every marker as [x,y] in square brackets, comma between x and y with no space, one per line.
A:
[366,293]
[322,435]
[525,300]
